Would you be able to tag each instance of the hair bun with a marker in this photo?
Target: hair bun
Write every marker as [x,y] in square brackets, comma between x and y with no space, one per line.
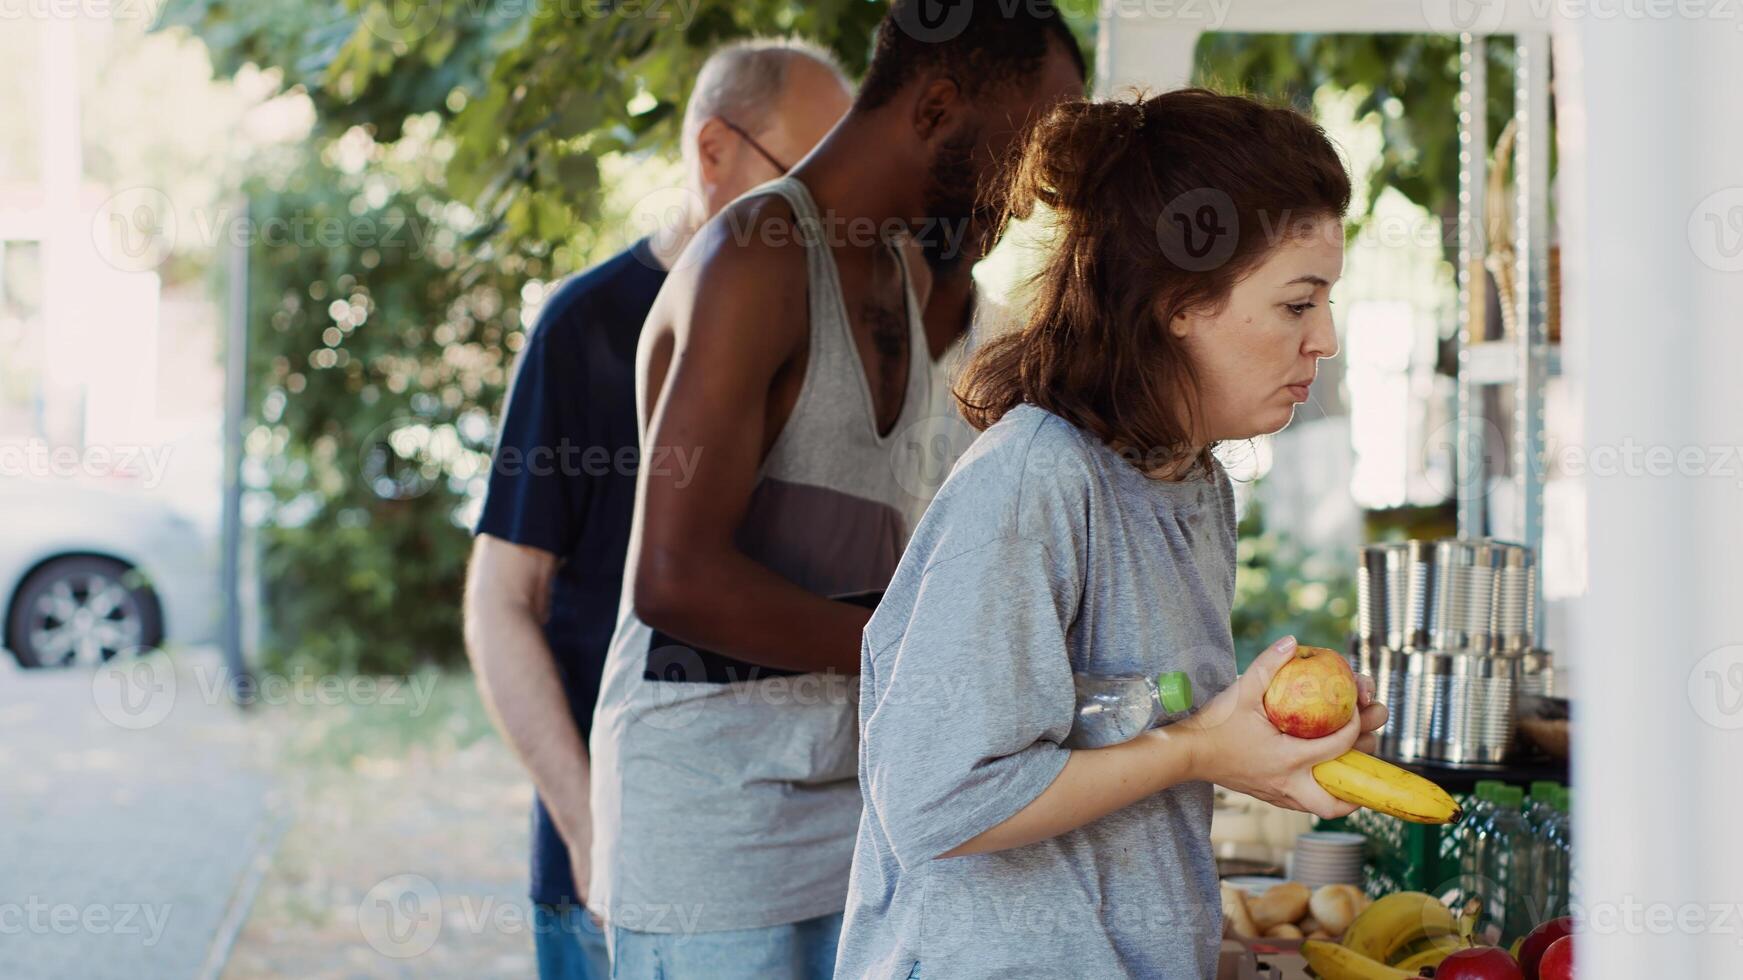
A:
[1073,151]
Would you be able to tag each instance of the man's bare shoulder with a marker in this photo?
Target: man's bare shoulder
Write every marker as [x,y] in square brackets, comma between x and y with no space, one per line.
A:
[745,270]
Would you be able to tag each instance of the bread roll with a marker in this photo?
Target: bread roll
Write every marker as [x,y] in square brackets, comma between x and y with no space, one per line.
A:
[1335,906]
[1283,930]
[1235,915]
[1280,903]
[1309,924]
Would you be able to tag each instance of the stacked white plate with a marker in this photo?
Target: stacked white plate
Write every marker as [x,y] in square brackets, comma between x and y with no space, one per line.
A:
[1327,858]
[1253,885]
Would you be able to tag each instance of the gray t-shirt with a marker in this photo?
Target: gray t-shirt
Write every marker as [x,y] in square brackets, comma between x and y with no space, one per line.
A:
[1044,553]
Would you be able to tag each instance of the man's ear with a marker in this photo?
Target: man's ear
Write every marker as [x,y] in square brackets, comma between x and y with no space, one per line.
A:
[937,106]
[713,142]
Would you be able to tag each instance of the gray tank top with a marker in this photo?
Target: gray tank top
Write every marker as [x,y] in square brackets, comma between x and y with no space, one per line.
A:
[835,502]
[725,795]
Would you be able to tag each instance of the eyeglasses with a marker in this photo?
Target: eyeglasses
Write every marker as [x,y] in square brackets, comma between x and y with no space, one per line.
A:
[780,167]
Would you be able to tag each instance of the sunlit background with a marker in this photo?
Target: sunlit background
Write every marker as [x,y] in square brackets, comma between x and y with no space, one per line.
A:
[122,178]
[136,187]
[366,223]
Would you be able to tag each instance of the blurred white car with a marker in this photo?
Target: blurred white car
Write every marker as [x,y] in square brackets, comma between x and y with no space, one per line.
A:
[88,574]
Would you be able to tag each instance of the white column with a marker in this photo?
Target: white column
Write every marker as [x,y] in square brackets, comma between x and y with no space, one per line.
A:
[1715,183]
[1151,54]
[66,237]
[1653,286]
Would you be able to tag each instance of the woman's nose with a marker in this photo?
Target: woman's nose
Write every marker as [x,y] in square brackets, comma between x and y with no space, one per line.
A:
[1322,337]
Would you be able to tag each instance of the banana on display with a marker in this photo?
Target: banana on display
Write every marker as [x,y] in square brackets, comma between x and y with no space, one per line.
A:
[1393,923]
[1334,962]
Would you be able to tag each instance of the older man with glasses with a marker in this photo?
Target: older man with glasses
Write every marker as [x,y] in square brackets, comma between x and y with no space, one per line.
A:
[547,562]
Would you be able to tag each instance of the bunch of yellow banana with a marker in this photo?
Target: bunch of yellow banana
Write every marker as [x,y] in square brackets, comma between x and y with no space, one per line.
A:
[1359,778]
[1393,938]
[1428,953]
[1395,922]
[1333,962]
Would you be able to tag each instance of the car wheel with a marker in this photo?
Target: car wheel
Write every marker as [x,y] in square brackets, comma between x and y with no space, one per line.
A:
[82,611]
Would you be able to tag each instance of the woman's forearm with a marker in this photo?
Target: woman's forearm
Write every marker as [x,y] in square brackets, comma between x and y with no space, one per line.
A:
[1093,784]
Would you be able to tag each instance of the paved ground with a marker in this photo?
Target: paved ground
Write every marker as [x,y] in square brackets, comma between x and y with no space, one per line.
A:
[407,857]
[149,829]
[124,839]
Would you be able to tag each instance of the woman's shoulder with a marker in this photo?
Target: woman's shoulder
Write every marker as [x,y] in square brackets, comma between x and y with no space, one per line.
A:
[1030,444]
[1024,475]
[1022,490]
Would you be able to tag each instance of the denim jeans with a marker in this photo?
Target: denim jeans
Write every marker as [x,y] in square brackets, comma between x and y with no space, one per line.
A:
[798,951]
[571,946]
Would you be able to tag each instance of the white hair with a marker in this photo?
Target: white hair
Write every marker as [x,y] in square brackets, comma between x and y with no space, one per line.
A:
[744,81]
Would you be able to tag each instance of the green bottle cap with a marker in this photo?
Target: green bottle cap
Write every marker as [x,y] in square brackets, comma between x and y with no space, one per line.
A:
[1176,691]
[1564,800]
[1511,797]
[1486,789]
[1544,790]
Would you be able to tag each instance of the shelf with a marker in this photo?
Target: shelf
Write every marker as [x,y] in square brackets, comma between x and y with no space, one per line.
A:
[1463,779]
[1496,362]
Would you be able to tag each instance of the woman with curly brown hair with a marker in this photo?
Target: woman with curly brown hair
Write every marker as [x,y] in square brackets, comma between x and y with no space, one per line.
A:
[1089,529]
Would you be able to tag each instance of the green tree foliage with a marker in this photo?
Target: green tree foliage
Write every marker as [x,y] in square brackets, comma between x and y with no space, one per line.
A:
[1281,590]
[532,93]
[1409,82]
[377,353]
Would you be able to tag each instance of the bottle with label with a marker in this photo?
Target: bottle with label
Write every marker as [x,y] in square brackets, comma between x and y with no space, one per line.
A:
[1115,708]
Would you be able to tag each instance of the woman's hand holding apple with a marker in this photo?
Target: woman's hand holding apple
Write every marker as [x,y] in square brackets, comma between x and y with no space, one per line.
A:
[1237,744]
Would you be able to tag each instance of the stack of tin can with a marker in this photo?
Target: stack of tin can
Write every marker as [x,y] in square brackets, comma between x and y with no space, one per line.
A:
[1445,628]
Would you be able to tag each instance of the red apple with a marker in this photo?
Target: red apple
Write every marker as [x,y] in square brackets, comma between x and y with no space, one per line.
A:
[1312,695]
[1538,940]
[1480,963]
[1558,960]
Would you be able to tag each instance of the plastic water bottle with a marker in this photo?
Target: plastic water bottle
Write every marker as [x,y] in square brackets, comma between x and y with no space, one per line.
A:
[1542,807]
[1506,867]
[1479,807]
[1541,888]
[1115,708]
[1556,852]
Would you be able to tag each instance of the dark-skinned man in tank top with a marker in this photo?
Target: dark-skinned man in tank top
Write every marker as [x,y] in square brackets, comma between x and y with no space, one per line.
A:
[786,353]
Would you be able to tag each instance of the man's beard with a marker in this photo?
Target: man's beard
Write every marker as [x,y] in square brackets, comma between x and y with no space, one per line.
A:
[952,191]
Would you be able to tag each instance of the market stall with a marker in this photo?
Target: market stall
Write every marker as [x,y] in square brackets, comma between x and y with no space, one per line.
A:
[1646,644]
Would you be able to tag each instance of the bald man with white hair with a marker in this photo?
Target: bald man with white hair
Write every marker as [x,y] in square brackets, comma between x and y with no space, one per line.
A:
[548,556]
[756,109]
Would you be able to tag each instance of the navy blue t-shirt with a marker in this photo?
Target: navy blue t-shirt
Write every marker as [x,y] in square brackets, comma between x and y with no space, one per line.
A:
[563,481]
